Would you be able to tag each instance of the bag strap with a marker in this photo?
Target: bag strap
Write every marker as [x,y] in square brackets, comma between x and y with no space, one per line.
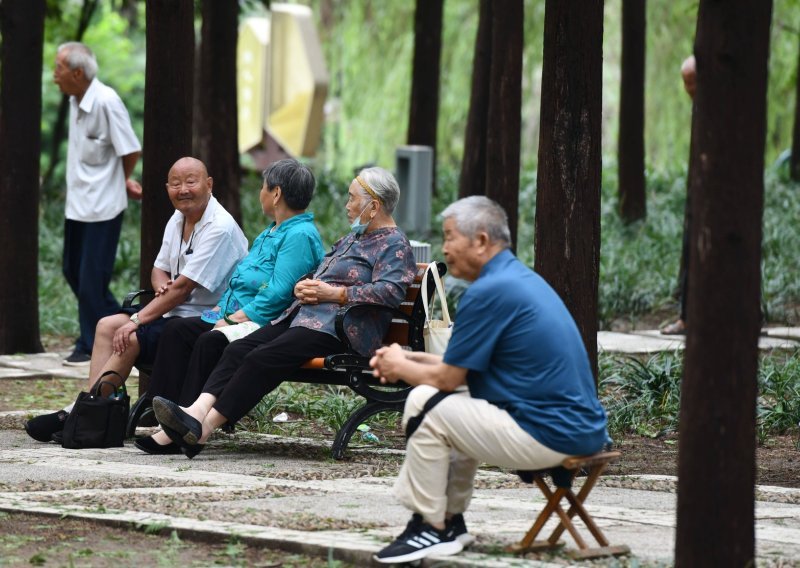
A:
[414,422]
[434,269]
[96,388]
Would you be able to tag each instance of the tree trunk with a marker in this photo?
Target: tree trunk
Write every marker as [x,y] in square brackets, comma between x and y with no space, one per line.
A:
[217,127]
[567,240]
[424,113]
[167,115]
[716,462]
[632,204]
[504,111]
[22,30]
[473,164]
[794,162]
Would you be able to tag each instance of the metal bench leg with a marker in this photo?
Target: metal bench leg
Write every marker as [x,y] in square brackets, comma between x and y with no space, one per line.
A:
[348,428]
[142,407]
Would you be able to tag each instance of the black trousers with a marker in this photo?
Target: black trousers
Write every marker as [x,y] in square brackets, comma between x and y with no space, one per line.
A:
[187,352]
[257,364]
[87,263]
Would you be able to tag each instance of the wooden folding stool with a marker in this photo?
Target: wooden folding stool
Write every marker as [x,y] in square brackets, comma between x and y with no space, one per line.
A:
[563,476]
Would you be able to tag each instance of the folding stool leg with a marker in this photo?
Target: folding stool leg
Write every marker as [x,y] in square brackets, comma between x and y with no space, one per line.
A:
[552,502]
[588,485]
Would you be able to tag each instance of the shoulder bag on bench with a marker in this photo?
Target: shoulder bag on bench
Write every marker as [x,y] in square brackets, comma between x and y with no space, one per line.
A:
[436,332]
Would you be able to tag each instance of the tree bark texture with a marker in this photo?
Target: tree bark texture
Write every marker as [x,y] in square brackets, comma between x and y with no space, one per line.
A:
[504,111]
[567,235]
[716,462]
[473,165]
[22,30]
[424,112]
[632,201]
[167,115]
[217,127]
[794,162]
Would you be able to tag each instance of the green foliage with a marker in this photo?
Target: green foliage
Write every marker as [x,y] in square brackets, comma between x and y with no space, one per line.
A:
[643,396]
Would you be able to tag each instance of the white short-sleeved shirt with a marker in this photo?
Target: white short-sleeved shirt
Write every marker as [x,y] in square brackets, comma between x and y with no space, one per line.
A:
[100,132]
[217,245]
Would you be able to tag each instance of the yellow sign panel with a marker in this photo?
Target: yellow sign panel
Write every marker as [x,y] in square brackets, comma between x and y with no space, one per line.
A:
[282,80]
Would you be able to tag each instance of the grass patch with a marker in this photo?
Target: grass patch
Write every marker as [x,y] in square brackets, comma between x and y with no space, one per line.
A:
[643,396]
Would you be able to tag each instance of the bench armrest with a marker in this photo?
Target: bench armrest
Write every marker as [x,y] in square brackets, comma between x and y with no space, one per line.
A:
[128,301]
[363,306]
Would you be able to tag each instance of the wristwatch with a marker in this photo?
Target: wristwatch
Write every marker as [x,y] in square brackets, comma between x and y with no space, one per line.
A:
[135,319]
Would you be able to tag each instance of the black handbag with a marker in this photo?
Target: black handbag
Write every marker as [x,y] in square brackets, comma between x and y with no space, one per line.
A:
[96,421]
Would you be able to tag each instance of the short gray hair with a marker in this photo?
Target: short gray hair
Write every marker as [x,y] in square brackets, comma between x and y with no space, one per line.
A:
[384,184]
[478,213]
[79,56]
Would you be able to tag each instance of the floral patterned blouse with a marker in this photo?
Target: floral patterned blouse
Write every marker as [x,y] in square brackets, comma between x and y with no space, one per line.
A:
[376,268]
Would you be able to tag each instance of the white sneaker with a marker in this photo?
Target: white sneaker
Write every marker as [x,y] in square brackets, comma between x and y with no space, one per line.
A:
[418,541]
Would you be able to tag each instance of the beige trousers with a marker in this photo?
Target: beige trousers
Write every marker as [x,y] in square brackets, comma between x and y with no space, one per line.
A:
[456,436]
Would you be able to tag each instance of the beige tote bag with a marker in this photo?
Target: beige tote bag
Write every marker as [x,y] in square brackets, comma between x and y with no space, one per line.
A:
[436,332]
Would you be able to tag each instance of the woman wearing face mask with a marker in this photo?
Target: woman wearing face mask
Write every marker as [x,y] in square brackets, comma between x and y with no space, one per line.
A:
[373,263]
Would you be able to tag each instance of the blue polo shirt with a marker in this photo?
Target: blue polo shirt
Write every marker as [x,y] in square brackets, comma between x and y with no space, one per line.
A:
[524,354]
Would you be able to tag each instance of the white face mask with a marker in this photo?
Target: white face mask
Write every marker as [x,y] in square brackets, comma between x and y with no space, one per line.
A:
[357,226]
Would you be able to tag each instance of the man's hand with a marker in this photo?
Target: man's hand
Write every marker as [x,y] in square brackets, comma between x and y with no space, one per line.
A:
[122,337]
[164,287]
[133,189]
[386,363]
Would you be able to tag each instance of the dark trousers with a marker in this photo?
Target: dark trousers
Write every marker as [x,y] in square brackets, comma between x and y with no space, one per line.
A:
[88,261]
[185,349]
[256,364]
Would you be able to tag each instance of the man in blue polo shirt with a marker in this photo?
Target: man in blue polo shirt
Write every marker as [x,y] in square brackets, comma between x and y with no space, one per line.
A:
[531,400]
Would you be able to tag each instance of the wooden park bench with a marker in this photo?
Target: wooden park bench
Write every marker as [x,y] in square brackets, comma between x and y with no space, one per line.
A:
[563,477]
[344,369]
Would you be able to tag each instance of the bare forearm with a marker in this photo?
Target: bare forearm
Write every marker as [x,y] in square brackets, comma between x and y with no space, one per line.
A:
[175,294]
[129,162]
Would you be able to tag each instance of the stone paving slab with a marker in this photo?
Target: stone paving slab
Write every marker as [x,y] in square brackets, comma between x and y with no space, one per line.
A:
[638,511]
[42,365]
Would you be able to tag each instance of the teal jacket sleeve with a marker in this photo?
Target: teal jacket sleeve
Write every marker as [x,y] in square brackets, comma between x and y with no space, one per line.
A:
[299,254]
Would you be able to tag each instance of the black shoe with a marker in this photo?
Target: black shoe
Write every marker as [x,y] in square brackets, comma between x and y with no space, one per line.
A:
[189,450]
[418,541]
[187,428]
[457,528]
[43,427]
[77,358]
[150,446]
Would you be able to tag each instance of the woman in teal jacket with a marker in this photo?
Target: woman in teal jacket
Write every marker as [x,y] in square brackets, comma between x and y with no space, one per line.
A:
[259,291]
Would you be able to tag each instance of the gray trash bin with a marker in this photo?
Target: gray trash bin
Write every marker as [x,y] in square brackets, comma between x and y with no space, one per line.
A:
[414,171]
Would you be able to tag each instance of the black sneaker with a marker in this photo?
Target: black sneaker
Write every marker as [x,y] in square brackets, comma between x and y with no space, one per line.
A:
[77,359]
[456,528]
[43,427]
[418,541]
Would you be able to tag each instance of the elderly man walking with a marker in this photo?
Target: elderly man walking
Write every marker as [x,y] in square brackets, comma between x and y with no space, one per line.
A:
[531,400]
[101,155]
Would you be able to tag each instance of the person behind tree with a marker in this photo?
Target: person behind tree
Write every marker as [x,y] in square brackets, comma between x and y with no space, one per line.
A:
[202,245]
[531,399]
[678,327]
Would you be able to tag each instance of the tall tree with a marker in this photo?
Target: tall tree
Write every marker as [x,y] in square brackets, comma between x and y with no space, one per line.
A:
[217,129]
[505,100]
[424,113]
[473,165]
[794,162]
[718,393]
[567,238]
[22,32]
[632,204]
[491,155]
[169,79]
